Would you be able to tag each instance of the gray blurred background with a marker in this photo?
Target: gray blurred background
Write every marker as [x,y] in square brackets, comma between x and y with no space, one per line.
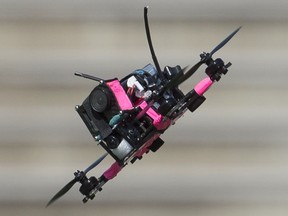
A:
[228,158]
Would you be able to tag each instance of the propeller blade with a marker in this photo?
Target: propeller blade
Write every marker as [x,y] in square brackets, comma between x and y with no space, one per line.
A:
[93,165]
[63,191]
[68,186]
[219,46]
[188,72]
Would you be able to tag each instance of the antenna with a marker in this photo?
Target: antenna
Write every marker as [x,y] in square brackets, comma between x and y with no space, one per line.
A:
[87,76]
[150,43]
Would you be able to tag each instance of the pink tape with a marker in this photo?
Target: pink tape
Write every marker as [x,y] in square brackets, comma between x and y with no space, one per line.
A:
[112,171]
[203,86]
[121,96]
[157,118]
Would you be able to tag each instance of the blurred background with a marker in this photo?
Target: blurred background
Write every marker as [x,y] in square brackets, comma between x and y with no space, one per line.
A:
[227,158]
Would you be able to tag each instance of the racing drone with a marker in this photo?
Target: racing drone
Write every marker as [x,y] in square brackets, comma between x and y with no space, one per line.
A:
[127,116]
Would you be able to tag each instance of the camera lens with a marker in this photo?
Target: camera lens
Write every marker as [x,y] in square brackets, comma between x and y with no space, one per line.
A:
[112,142]
[99,99]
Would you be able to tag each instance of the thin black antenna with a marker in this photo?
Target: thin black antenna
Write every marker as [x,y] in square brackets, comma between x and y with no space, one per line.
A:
[150,43]
[87,76]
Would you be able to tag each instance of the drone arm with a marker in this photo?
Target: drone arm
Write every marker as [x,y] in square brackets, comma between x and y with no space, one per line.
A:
[91,186]
[216,68]
[203,86]
[214,71]
[112,172]
[195,96]
[192,100]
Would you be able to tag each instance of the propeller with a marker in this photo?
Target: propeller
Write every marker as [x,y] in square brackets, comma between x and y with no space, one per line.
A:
[224,42]
[93,165]
[79,175]
[205,57]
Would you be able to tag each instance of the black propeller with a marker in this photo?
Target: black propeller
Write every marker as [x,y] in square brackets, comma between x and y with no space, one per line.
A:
[79,175]
[224,42]
[205,57]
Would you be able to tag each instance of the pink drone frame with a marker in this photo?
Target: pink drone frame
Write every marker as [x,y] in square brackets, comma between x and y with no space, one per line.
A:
[125,104]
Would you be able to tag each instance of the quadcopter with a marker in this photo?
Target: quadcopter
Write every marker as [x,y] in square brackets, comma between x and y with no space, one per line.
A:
[127,116]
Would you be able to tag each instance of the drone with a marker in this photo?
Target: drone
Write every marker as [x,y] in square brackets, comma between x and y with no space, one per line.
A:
[128,116]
